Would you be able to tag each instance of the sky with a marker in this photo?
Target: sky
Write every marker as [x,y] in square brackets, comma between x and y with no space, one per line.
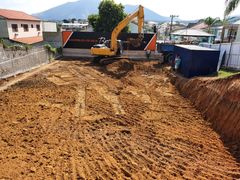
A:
[185,9]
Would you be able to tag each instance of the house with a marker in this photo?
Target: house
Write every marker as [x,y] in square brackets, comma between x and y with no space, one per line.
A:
[192,36]
[199,26]
[20,27]
[230,32]
[238,31]
[164,28]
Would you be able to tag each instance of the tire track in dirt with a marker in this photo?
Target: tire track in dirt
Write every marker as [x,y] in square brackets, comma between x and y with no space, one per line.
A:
[80,102]
[111,98]
[87,125]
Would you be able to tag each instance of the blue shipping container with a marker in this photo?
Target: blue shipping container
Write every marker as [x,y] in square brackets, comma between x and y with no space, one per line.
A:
[164,47]
[196,60]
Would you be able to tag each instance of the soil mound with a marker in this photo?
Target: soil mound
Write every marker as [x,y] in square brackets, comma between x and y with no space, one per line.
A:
[120,68]
[218,100]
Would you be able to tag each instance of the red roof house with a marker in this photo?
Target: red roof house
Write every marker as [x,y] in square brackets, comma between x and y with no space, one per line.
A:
[19,26]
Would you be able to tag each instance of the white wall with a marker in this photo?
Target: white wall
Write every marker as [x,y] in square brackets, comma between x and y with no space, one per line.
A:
[32,32]
[238,35]
[49,27]
[3,29]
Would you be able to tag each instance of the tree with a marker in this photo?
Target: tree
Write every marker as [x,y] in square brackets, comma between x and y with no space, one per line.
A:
[93,19]
[209,21]
[110,14]
[73,20]
[231,6]
[66,21]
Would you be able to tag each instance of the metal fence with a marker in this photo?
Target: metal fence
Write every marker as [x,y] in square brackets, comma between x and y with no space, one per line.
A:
[231,51]
[15,62]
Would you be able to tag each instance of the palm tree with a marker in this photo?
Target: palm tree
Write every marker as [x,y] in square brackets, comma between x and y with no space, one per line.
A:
[209,21]
[231,6]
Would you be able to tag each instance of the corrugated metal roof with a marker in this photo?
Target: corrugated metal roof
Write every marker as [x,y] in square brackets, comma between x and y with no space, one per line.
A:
[17,15]
[192,32]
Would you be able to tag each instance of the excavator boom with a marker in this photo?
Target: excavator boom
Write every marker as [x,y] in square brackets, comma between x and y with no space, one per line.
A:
[139,14]
[99,50]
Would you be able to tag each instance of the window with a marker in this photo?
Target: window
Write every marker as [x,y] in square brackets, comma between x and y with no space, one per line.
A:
[25,27]
[38,27]
[14,28]
[31,25]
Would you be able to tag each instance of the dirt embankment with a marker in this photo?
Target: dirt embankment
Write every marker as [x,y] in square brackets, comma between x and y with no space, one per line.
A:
[218,100]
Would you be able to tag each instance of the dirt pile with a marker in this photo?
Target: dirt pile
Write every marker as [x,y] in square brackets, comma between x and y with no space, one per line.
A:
[120,68]
[218,100]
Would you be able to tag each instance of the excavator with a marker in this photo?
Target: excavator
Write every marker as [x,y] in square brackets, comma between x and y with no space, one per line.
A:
[113,48]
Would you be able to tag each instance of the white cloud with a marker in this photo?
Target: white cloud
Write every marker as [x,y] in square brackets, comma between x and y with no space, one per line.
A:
[31,6]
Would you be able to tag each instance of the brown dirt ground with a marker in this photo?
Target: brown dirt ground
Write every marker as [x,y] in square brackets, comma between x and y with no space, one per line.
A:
[75,120]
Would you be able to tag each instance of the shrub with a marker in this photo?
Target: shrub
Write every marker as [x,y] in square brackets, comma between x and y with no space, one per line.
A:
[51,49]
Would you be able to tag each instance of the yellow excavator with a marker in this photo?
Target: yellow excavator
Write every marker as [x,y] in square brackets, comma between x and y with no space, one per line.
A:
[109,49]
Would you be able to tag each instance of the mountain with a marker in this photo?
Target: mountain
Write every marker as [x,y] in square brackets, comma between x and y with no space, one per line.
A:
[149,15]
[80,10]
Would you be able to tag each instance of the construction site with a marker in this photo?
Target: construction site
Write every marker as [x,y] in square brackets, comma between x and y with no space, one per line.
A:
[127,120]
[98,112]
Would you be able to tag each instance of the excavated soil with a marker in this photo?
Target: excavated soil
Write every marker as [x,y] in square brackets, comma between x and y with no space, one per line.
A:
[218,100]
[75,120]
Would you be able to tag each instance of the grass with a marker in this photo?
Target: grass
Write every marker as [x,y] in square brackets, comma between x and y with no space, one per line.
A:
[223,73]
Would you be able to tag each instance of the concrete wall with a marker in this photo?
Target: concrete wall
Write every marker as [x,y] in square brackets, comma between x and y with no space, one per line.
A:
[15,62]
[53,38]
[49,27]
[3,29]
[32,32]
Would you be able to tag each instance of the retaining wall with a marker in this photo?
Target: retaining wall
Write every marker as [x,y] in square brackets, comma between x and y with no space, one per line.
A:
[19,61]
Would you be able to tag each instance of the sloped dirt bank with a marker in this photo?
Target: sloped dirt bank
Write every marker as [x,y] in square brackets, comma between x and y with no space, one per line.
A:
[218,100]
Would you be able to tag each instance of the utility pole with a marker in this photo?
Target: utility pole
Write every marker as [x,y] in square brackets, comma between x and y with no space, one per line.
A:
[172,16]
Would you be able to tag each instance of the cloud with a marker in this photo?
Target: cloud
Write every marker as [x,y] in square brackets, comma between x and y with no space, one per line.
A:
[31,6]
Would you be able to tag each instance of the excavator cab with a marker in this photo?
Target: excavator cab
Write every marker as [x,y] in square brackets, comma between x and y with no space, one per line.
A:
[106,44]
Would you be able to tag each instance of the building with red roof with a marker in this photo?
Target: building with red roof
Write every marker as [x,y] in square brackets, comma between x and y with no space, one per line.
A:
[20,27]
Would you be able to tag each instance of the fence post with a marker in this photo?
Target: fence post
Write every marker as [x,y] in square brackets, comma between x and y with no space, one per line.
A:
[230,50]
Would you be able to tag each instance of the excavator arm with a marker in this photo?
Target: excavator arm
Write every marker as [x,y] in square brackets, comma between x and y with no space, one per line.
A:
[112,51]
[139,14]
